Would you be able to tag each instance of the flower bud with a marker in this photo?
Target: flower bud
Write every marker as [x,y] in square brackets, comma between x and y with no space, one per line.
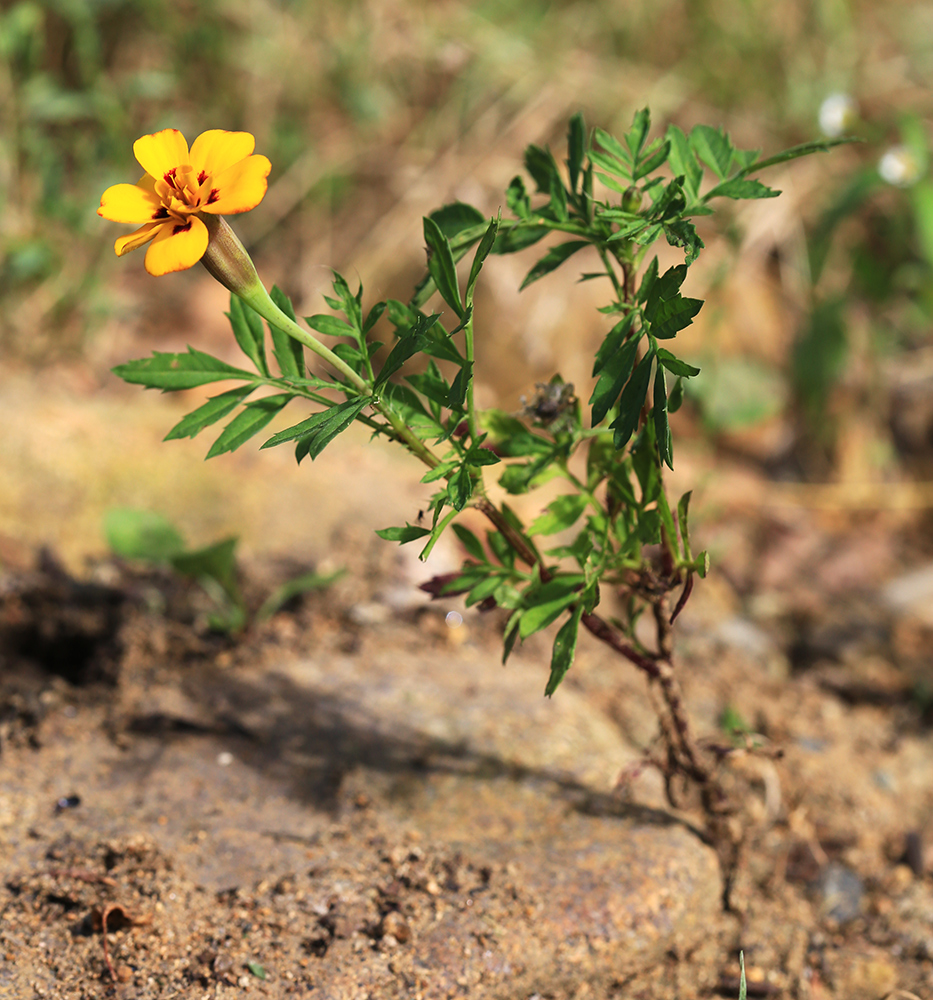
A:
[631,200]
[226,258]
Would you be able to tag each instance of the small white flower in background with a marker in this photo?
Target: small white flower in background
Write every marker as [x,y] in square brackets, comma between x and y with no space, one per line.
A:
[838,113]
[899,166]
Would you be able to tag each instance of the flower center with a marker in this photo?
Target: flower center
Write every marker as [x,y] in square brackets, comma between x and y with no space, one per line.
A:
[183,192]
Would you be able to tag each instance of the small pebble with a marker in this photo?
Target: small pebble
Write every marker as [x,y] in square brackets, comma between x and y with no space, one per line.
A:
[841,891]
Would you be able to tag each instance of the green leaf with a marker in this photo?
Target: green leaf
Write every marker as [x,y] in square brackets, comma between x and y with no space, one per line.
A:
[457,217]
[669,201]
[683,162]
[648,235]
[479,258]
[683,512]
[666,287]
[171,372]
[249,332]
[460,488]
[347,301]
[631,230]
[804,149]
[485,588]
[560,514]
[612,379]
[248,422]
[551,260]
[647,282]
[738,188]
[518,237]
[652,161]
[620,187]
[470,542]
[576,149]
[921,195]
[633,399]
[675,365]
[316,433]
[510,635]
[547,603]
[431,384]
[213,410]
[613,167]
[662,427]
[216,562]
[441,265]
[436,531]
[713,147]
[298,585]
[558,202]
[289,354]
[510,437]
[673,315]
[480,454]
[541,165]
[141,534]
[331,326]
[613,342]
[404,401]
[501,548]
[517,199]
[667,521]
[675,398]
[410,343]
[256,969]
[520,477]
[518,526]
[373,317]
[682,233]
[619,160]
[439,471]
[409,533]
[637,134]
[565,648]
[458,388]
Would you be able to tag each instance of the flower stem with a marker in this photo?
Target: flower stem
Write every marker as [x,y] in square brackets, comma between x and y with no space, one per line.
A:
[226,259]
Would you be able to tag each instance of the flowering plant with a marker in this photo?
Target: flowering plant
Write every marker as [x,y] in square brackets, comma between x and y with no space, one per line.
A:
[218,176]
[618,529]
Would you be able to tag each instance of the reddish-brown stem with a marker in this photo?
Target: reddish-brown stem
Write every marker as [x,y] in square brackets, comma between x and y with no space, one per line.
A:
[657,668]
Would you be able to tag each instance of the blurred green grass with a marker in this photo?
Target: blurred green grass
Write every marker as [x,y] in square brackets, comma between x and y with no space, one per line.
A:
[373,111]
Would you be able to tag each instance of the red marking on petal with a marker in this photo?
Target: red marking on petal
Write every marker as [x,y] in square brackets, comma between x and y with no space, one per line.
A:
[202,177]
[169,178]
[213,196]
[181,228]
[160,213]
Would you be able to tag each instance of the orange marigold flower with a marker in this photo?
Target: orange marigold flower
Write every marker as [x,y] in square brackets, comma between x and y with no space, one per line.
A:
[219,175]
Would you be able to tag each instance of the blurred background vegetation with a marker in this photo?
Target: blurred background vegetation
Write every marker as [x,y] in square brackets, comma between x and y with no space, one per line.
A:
[816,337]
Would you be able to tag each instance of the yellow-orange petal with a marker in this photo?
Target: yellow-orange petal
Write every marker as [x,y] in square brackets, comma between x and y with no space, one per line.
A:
[159,152]
[216,150]
[135,240]
[240,187]
[129,203]
[177,246]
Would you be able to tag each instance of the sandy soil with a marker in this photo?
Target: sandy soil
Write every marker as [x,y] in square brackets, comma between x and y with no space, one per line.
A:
[354,799]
